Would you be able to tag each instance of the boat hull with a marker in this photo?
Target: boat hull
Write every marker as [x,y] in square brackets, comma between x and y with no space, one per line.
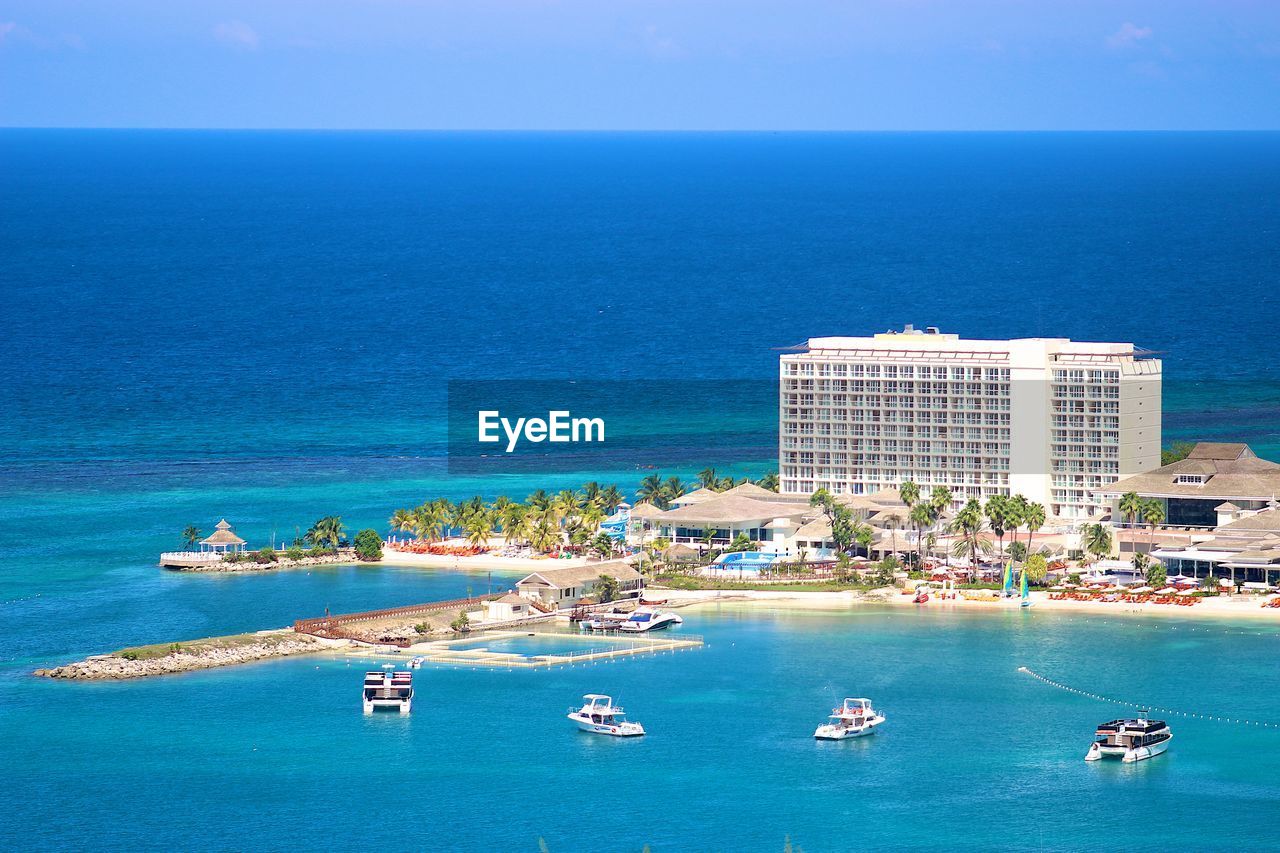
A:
[609,730]
[831,732]
[654,625]
[1097,752]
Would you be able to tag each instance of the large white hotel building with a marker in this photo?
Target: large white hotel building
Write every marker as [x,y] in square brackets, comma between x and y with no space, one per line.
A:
[1048,418]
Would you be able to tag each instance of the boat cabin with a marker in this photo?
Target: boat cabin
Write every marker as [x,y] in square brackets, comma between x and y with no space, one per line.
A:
[388,691]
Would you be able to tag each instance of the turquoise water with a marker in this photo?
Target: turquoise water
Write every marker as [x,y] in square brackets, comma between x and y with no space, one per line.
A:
[262,326]
[974,755]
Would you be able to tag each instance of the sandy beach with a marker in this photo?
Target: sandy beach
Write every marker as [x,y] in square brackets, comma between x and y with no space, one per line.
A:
[482,562]
[1223,607]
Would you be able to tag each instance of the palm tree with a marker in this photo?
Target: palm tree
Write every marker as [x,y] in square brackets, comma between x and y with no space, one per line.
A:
[1131,506]
[190,536]
[565,504]
[909,494]
[940,498]
[769,481]
[430,520]
[1096,540]
[1018,507]
[1033,517]
[1154,515]
[922,516]
[326,532]
[544,533]
[538,501]
[892,521]
[402,520]
[969,524]
[672,488]
[864,535]
[998,515]
[479,527]
[650,491]
[707,478]
[709,537]
[591,493]
[610,497]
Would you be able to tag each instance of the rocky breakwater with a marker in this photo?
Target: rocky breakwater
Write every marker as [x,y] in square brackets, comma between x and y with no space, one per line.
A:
[167,659]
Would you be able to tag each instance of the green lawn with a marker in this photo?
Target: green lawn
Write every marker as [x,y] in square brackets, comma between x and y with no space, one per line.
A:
[160,650]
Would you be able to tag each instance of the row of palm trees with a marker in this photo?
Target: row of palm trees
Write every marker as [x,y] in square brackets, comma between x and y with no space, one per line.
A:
[1002,515]
[660,491]
[542,521]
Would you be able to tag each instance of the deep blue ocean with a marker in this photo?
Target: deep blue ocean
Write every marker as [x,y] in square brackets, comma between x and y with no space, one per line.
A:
[263,325]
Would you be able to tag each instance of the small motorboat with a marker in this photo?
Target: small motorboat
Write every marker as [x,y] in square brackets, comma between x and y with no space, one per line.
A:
[649,619]
[1130,740]
[417,662]
[854,718]
[598,715]
[922,596]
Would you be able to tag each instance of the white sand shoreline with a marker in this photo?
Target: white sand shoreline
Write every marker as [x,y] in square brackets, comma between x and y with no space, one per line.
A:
[1224,608]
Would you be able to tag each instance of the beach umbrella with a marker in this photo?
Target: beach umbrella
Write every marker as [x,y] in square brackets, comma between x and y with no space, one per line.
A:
[1168,590]
[1142,589]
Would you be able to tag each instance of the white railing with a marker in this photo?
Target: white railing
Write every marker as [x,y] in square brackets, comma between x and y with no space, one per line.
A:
[193,556]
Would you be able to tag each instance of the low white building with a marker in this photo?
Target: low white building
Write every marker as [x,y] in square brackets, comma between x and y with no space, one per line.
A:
[561,588]
[508,608]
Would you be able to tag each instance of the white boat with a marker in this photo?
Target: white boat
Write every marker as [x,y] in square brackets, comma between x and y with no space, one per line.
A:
[854,718]
[388,691]
[417,662]
[649,619]
[1130,740]
[598,715]
[604,622]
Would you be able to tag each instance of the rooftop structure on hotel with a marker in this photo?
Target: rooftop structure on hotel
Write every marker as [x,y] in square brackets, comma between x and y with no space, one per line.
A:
[1049,418]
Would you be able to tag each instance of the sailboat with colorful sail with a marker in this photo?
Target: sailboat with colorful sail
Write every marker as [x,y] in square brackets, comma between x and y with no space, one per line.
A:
[1008,579]
[1026,595]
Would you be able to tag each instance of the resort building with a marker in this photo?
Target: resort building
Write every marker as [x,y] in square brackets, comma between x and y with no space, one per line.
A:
[566,587]
[784,525]
[1214,485]
[1246,549]
[1049,418]
[770,524]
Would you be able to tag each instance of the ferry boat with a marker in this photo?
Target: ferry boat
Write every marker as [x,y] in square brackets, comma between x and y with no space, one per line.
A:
[854,718]
[388,691]
[1130,740]
[598,715]
[649,619]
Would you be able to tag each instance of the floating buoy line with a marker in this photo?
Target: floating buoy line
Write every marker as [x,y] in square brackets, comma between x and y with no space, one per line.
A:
[1173,712]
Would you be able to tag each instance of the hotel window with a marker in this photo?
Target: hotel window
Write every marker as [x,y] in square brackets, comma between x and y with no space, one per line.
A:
[1190,479]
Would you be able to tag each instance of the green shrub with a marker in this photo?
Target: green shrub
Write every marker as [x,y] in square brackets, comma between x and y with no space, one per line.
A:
[265,556]
[368,545]
[295,553]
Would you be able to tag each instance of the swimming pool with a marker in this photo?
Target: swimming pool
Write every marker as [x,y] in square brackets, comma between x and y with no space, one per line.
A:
[542,644]
[746,559]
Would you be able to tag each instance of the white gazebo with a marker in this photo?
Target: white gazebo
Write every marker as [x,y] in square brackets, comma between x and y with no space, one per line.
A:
[223,540]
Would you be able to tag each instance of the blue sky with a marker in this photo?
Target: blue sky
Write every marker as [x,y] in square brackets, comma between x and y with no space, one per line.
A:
[642,64]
